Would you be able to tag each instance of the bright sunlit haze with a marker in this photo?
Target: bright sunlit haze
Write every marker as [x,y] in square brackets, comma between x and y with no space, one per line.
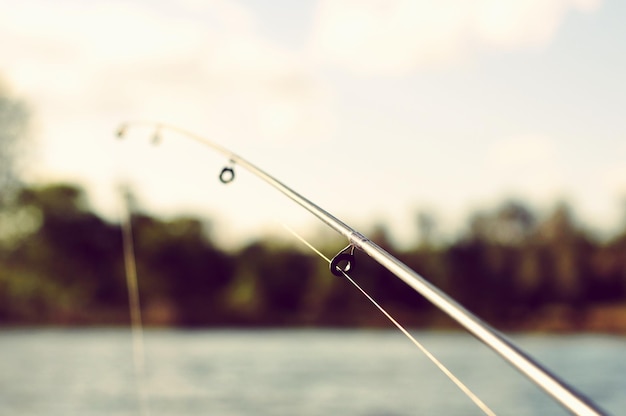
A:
[374,110]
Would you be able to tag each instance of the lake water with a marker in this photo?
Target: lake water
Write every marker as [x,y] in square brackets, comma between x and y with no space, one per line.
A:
[291,372]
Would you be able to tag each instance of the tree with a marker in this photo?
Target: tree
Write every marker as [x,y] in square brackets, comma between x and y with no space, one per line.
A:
[426,229]
[569,250]
[14,120]
[509,225]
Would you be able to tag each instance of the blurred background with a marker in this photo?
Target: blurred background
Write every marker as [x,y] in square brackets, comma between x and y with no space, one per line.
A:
[481,142]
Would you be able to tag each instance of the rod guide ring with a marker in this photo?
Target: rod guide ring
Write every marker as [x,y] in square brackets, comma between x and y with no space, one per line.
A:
[227,175]
[343,262]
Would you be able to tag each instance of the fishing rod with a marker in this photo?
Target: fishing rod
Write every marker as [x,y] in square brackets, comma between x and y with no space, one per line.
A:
[344,261]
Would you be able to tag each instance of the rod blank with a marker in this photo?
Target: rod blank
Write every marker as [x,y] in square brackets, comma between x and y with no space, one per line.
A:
[564,394]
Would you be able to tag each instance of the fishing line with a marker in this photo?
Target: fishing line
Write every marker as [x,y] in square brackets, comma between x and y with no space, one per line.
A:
[133,304]
[466,390]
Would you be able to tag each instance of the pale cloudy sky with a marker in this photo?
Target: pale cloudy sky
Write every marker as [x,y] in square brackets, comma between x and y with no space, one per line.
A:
[374,109]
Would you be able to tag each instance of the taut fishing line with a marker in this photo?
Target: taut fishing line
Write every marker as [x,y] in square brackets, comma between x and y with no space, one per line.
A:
[466,390]
[559,390]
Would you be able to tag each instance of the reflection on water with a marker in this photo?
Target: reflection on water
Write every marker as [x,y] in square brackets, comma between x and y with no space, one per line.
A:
[368,373]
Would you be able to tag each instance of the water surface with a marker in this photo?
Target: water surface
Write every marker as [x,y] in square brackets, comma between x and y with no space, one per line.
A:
[291,372]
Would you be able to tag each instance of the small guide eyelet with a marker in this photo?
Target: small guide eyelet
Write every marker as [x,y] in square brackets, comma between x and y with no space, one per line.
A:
[346,258]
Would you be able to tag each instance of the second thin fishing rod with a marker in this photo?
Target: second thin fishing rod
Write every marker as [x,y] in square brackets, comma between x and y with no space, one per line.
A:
[567,396]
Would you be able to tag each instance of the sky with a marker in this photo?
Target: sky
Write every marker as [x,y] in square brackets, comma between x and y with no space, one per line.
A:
[373,109]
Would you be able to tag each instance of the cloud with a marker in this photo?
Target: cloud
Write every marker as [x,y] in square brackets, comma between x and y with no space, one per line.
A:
[395,37]
[521,23]
[205,66]
[180,61]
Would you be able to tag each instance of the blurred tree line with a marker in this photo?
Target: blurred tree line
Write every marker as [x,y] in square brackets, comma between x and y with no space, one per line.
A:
[62,264]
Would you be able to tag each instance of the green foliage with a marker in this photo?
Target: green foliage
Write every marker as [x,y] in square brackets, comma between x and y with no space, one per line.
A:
[60,263]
